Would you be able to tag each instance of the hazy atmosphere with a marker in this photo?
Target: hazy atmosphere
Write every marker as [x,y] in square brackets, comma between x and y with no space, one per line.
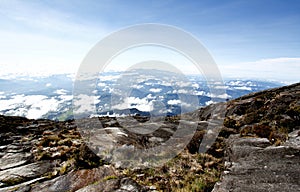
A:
[247,39]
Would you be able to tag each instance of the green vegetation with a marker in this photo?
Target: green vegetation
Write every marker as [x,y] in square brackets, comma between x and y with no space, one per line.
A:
[13,180]
[68,150]
[110,177]
[269,115]
[230,123]
[186,172]
[66,115]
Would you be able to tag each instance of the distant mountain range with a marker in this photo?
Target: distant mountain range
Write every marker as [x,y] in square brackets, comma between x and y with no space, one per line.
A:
[115,93]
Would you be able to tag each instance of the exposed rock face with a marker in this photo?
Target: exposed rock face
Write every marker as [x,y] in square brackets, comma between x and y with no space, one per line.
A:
[75,180]
[270,114]
[17,164]
[265,156]
[43,155]
[117,185]
[253,164]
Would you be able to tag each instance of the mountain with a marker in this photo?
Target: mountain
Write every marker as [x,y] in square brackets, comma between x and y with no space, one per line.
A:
[153,92]
[256,147]
[265,155]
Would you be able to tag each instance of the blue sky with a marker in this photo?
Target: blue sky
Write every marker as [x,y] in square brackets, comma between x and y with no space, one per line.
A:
[248,39]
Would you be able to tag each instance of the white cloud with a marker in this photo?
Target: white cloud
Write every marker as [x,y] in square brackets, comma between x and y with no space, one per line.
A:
[222,96]
[66,97]
[85,103]
[174,102]
[41,107]
[155,90]
[32,99]
[235,83]
[196,85]
[250,83]
[183,104]
[150,96]
[147,83]
[221,87]
[183,91]
[199,93]
[134,102]
[209,102]
[137,86]
[166,83]
[2,96]
[108,89]
[61,92]
[101,84]
[31,106]
[243,88]
[183,84]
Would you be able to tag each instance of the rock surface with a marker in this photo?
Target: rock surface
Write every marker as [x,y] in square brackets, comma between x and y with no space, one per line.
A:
[253,164]
[75,180]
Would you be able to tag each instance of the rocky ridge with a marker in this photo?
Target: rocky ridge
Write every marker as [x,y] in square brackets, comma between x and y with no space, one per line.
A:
[265,155]
[253,164]
[44,155]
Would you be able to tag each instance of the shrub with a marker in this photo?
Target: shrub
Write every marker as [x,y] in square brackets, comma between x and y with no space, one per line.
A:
[246,131]
[277,138]
[230,123]
[194,144]
[262,130]
[251,118]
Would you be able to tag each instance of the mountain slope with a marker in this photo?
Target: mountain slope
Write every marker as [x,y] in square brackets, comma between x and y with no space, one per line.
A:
[44,155]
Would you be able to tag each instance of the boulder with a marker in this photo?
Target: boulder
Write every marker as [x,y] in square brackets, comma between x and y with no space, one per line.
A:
[117,185]
[24,173]
[252,165]
[75,180]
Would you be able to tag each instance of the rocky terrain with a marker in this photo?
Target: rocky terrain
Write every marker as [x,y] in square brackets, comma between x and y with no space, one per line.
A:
[253,164]
[256,148]
[265,155]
